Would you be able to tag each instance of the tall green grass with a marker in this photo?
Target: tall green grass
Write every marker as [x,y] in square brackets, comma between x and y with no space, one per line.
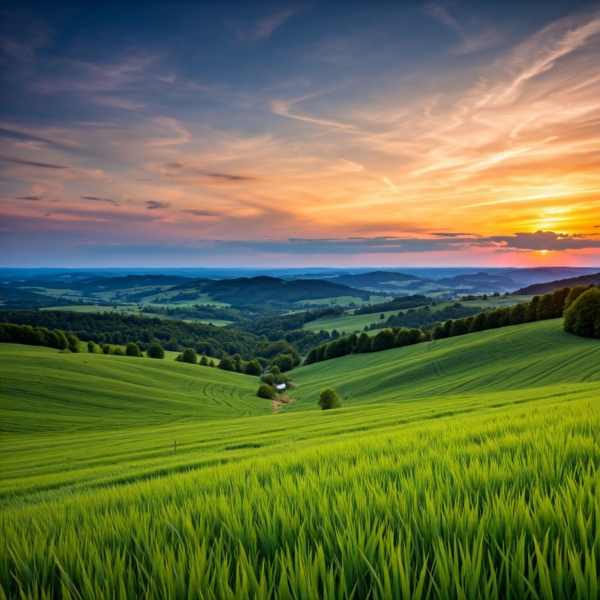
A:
[465,469]
[505,506]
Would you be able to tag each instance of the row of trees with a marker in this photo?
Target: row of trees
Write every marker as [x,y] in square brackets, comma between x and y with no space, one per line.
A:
[38,336]
[582,317]
[548,306]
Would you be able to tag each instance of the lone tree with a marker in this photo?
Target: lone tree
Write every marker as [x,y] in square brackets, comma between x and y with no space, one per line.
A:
[329,399]
[156,351]
[189,356]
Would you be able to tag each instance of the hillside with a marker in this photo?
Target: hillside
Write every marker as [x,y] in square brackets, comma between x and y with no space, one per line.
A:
[470,437]
[545,288]
[263,289]
[509,359]
[44,390]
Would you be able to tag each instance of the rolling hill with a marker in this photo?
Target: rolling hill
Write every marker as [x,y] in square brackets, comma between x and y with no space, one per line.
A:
[467,464]
[545,288]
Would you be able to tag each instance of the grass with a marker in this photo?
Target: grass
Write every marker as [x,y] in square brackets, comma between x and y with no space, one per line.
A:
[350,322]
[344,301]
[464,469]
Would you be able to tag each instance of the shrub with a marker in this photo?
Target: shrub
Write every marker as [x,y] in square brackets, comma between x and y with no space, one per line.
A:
[583,316]
[266,391]
[204,361]
[118,351]
[91,347]
[329,399]
[73,342]
[106,349]
[133,349]
[226,364]
[253,368]
[284,362]
[155,351]
[384,340]
[189,356]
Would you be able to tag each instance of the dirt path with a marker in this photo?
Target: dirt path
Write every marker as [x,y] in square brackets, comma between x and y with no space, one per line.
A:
[279,401]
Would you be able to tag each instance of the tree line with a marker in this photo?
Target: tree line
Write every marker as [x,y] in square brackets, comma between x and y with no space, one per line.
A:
[548,306]
[38,336]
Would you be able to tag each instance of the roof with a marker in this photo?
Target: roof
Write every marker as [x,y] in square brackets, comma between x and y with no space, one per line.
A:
[280,386]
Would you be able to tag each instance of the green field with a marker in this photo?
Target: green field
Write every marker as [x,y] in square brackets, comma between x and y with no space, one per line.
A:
[133,309]
[350,322]
[344,301]
[466,468]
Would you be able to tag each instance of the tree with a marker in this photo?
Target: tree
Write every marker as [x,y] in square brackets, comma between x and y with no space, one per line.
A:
[155,351]
[335,334]
[204,361]
[583,316]
[575,292]
[118,351]
[253,368]
[105,349]
[384,340]
[189,356]
[211,363]
[266,391]
[226,364]
[133,349]
[381,316]
[284,362]
[237,361]
[91,347]
[73,342]
[329,399]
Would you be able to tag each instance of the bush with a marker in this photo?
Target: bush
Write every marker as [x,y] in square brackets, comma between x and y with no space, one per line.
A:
[204,361]
[253,368]
[284,362]
[91,347]
[226,364]
[189,356]
[106,349]
[266,391]
[329,399]
[73,342]
[118,351]
[583,316]
[133,349]
[155,351]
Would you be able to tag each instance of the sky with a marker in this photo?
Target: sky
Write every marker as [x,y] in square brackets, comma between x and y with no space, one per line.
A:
[234,134]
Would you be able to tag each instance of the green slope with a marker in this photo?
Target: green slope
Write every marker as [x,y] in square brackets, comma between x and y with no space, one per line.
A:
[502,360]
[44,390]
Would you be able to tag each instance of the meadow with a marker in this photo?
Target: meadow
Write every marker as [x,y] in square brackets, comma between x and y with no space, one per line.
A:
[349,322]
[466,468]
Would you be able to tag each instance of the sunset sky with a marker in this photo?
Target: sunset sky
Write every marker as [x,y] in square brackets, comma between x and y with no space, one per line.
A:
[301,134]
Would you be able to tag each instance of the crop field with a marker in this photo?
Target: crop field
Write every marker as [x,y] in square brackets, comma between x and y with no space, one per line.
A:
[468,468]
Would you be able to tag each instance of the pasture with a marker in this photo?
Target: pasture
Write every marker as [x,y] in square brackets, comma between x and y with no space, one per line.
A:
[468,468]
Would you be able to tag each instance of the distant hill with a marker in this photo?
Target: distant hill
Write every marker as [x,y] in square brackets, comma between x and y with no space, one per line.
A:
[544,288]
[11,298]
[100,284]
[374,280]
[263,289]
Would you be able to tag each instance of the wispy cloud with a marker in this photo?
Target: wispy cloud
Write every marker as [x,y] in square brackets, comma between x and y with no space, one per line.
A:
[30,163]
[155,204]
[97,199]
[474,37]
[30,198]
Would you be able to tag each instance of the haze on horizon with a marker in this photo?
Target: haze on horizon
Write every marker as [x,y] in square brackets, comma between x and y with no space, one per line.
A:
[303,133]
